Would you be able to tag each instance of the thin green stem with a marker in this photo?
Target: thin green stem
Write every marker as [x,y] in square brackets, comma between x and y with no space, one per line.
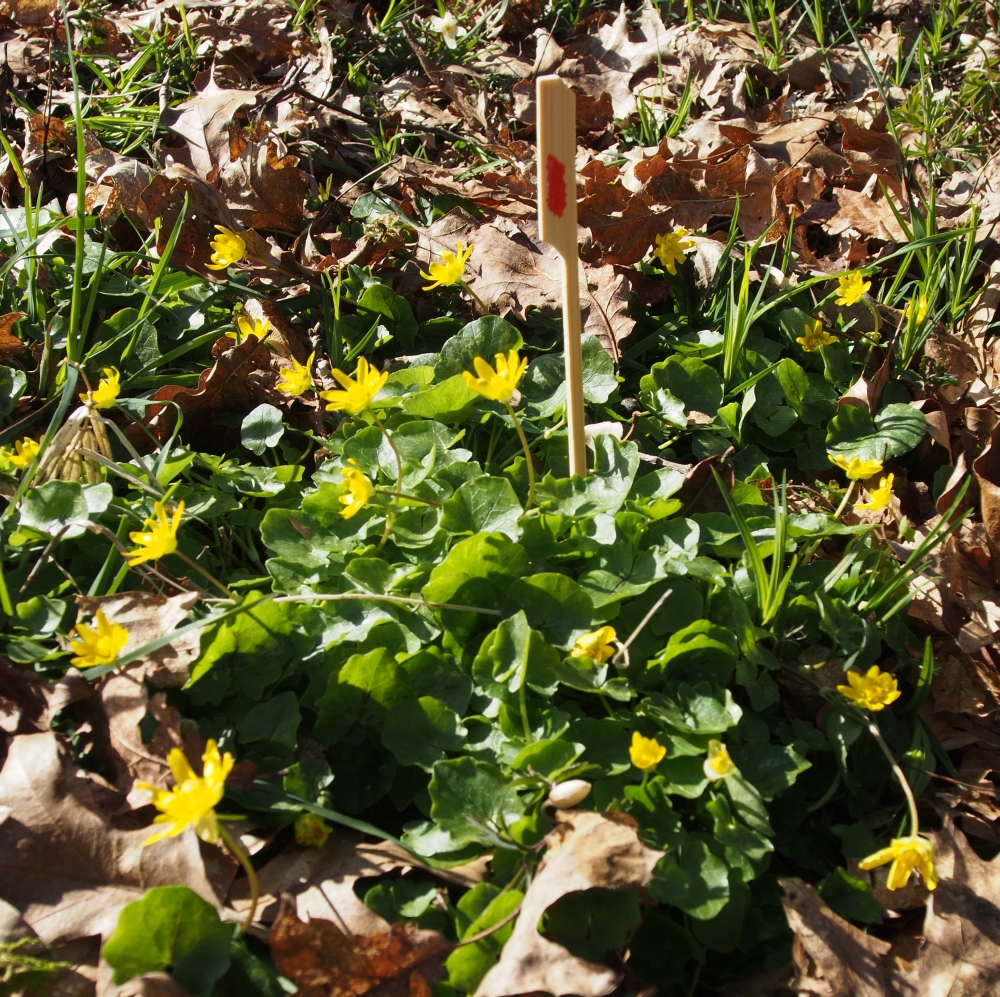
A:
[900,777]
[475,297]
[206,574]
[409,498]
[244,860]
[527,455]
[391,515]
[522,699]
[845,500]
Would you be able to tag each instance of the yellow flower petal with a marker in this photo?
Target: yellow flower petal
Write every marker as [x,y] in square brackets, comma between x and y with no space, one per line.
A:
[597,645]
[498,385]
[646,752]
[358,391]
[874,690]
[158,536]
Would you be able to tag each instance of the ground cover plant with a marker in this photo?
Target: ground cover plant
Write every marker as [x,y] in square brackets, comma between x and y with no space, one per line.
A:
[319,672]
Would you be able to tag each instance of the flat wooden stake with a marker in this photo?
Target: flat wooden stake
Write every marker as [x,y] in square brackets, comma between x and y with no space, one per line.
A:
[556,106]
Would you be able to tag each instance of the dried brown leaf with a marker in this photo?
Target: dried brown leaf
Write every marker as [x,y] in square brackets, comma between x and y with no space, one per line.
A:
[10,345]
[832,958]
[585,850]
[64,865]
[323,961]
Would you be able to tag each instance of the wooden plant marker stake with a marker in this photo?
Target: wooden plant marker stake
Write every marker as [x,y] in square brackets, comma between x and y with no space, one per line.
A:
[556,105]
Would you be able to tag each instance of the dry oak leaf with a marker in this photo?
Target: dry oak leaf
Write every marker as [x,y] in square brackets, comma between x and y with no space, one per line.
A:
[585,850]
[221,388]
[960,955]
[148,616]
[260,28]
[323,961]
[870,151]
[10,345]
[322,881]
[63,864]
[832,957]
[262,184]
[205,120]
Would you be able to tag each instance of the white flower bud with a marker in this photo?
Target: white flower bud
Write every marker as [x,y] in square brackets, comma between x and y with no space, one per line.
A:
[569,793]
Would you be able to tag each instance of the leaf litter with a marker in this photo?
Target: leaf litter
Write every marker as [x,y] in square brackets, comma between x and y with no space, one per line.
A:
[349,148]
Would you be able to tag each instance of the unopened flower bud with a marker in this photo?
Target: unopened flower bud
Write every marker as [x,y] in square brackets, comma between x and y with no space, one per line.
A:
[569,793]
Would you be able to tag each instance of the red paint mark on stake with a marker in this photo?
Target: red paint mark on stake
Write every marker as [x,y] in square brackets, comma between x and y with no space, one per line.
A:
[555,182]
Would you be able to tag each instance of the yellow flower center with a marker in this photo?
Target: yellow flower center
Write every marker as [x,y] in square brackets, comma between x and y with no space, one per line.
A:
[874,690]
[449,271]
[498,385]
[596,645]
[358,391]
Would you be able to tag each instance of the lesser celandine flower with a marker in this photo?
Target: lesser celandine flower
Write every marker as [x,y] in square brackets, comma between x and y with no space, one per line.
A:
[815,337]
[358,390]
[853,287]
[298,380]
[359,489]
[192,802]
[448,28]
[105,395]
[922,305]
[879,497]
[100,646]
[905,854]
[311,831]
[596,645]
[874,690]
[449,271]
[25,452]
[670,248]
[855,468]
[718,764]
[228,247]
[158,536]
[500,384]
[646,752]
[249,327]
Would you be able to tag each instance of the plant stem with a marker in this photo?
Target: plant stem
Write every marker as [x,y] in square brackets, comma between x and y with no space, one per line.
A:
[527,455]
[475,297]
[391,515]
[244,860]
[410,498]
[207,574]
[845,500]
[900,777]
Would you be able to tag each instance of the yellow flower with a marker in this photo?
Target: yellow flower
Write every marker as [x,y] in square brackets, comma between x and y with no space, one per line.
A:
[670,248]
[250,327]
[922,305]
[227,248]
[311,831]
[160,536]
[596,645]
[853,287]
[646,752]
[815,337]
[106,393]
[192,802]
[360,489]
[874,690]
[450,270]
[905,854]
[855,468]
[879,497]
[357,394]
[718,764]
[27,450]
[100,646]
[498,384]
[298,380]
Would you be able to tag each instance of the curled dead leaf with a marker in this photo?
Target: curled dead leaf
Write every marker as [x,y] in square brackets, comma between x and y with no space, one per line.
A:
[585,850]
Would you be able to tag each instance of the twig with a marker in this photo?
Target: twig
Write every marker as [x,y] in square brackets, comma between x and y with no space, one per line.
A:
[623,649]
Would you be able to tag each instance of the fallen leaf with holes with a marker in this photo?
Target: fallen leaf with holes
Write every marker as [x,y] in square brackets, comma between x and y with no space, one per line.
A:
[323,961]
[65,867]
[831,956]
[264,189]
[585,850]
